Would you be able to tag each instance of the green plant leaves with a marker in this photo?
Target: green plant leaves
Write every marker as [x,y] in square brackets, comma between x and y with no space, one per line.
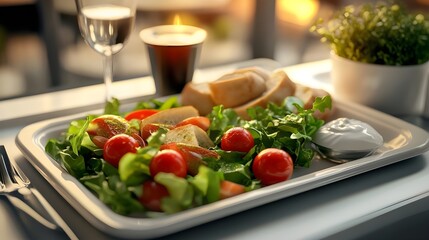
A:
[379,33]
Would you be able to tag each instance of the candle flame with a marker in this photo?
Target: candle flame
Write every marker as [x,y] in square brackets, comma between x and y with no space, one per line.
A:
[177,20]
[298,12]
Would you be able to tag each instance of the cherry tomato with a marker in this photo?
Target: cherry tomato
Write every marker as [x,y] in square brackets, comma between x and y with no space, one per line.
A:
[139,139]
[150,128]
[99,141]
[192,154]
[199,121]
[168,161]
[117,146]
[272,165]
[140,114]
[237,139]
[153,192]
[107,126]
[230,189]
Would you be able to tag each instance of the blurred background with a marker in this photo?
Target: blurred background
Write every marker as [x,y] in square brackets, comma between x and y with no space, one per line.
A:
[41,49]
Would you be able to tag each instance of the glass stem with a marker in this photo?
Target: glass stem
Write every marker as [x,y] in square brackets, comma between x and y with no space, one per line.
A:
[108,74]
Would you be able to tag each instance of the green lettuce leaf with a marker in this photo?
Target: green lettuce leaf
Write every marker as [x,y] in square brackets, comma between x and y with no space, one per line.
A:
[181,192]
[207,182]
[115,194]
[134,167]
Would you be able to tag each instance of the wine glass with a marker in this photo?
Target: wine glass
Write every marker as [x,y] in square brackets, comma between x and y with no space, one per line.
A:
[106,25]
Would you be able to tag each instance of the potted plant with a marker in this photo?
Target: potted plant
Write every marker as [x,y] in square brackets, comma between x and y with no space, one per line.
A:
[380,55]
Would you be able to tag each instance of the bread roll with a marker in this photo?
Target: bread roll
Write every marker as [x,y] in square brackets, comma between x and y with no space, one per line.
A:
[305,94]
[308,95]
[279,86]
[257,70]
[237,88]
[199,96]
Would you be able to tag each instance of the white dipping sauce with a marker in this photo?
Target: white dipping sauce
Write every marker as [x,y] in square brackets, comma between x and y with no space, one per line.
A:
[348,134]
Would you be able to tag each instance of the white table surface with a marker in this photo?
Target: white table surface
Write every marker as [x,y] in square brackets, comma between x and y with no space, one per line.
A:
[355,208]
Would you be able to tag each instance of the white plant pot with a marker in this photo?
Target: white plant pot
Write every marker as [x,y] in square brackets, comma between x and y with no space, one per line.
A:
[396,90]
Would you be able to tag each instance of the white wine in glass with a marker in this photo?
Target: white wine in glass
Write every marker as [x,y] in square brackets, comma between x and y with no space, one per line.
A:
[106,25]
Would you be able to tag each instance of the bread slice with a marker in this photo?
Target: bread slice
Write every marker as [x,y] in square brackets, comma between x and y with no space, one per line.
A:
[279,86]
[237,88]
[199,96]
[170,116]
[189,134]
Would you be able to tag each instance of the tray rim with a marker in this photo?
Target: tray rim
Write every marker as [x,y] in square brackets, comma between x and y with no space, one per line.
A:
[106,220]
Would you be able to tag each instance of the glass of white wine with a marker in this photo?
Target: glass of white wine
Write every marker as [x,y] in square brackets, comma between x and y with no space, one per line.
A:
[106,25]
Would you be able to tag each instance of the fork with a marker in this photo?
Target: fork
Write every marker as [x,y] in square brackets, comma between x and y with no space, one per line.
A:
[17,188]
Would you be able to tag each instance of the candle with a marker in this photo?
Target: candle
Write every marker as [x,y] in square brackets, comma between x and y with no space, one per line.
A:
[173,52]
[173,35]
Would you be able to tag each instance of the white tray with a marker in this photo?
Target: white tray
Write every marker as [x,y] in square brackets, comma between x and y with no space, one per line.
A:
[402,141]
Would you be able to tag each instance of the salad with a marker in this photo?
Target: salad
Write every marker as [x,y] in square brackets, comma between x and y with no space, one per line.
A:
[161,158]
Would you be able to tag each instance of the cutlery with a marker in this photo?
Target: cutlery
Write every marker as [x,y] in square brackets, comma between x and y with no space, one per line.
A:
[18,190]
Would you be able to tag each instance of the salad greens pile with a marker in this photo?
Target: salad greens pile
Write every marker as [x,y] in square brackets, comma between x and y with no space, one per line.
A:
[287,126]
